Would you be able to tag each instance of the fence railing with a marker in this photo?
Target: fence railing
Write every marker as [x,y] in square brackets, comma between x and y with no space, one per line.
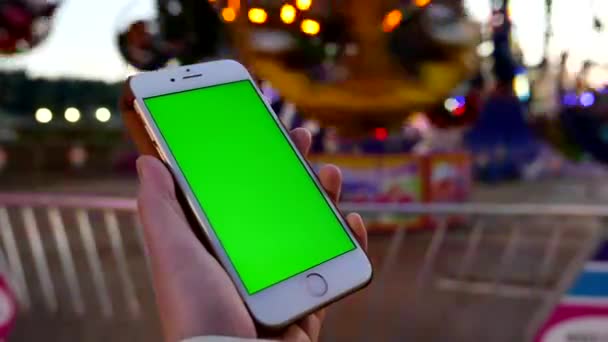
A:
[83,257]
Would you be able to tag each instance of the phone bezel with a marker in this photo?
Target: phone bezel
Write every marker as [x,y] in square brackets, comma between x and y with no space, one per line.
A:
[289,300]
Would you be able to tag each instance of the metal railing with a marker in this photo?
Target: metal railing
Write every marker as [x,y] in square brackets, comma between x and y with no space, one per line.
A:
[83,257]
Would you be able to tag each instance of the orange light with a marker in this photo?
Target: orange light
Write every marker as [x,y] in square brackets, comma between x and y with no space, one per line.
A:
[310,27]
[422,3]
[234,4]
[228,14]
[392,20]
[257,16]
[303,5]
[288,14]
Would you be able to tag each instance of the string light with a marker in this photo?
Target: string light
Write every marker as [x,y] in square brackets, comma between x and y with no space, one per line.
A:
[310,27]
[303,5]
[570,99]
[456,105]
[459,111]
[288,14]
[485,49]
[422,3]
[234,4]
[257,16]
[451,104]
[44,115]
[381,133]
[391,20]
[228,14]
[72,115]
[587,99]
[103,114]
[521,87]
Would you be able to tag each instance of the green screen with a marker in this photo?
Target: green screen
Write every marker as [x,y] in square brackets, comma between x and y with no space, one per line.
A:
[267,212]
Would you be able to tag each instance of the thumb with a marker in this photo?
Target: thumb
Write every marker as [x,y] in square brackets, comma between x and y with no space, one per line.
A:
[171,246]
[182,269]
[168,237]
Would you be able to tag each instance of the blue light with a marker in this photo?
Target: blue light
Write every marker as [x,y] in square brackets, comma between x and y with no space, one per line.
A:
[587,99]
[570,99]
[461,100]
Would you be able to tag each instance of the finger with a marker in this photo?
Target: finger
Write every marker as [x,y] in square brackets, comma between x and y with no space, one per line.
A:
[180,265]
[170,242]
[331,180]
[133,122]
[303,139]
[311,325]
[295,334]
[320,315]
[355,222]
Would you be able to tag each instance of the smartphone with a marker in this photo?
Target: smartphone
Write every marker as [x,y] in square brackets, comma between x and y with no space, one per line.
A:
[263,211]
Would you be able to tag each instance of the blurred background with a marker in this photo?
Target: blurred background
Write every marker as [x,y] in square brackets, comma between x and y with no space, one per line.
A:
[472,135]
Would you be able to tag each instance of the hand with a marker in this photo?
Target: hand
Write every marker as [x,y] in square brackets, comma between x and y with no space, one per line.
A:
[195,296]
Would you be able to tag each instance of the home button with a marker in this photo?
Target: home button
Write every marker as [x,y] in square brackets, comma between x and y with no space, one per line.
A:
[317,286]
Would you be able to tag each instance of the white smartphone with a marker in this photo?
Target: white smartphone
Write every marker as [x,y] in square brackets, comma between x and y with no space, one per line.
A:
[272,226]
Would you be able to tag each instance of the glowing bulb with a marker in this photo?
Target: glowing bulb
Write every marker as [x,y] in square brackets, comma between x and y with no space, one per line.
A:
[380,133]
[459,111]
[257,16]
[303,5]
[288,14]
[234,4]
[310,27]
[451,104]
[44,115]
[103,114]
[521,86]
[587,99]
[485,49]
[570,99]
[391,20]
[422,3]
[228,14]
[72,115]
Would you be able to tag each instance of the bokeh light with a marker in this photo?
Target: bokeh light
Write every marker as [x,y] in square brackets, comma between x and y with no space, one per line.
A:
[587,99]
[103,114]
[234,4]
[228,14]
[485,49]
[422,3]
[570,99]
[288,14]
[521,87]
[257,15]
[44,115]
[310,27]
[451,104]
[72,115]
[381,134]
[303,5]
[392,20]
